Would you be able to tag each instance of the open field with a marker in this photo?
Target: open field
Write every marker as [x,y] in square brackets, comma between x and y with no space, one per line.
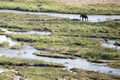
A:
[63,6]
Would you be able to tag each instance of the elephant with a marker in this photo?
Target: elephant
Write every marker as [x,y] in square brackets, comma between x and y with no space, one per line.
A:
[84,16]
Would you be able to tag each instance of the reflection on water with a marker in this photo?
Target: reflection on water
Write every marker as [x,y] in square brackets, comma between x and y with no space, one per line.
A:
[92,18]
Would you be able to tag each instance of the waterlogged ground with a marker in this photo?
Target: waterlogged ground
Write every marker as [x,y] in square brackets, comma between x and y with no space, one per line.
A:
[27,52]
[108,44]
[29,32]
[68,38]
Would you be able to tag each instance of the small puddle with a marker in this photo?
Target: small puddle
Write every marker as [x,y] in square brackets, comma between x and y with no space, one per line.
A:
[109,44]
[4,38]
[2,70]
[5,70]
[91,18]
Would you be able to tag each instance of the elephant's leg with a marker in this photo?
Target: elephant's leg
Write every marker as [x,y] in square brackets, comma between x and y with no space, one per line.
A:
[87,19]
[82,18]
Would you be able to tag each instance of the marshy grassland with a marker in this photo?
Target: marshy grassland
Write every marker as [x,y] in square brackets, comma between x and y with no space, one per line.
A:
[58,6]
[117,43]
[4,44]
[87,2]
[1,32]
[46,73]
[69,39]
[6,75]
[6,61]
[28,69]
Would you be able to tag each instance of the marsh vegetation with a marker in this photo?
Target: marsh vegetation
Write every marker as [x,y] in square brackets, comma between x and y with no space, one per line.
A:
[69,39]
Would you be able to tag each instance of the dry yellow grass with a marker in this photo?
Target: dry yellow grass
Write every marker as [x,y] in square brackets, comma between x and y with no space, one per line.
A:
[81,2]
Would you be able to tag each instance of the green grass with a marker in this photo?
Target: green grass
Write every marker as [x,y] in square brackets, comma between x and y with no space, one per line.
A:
[43,73]
[53,55]
[89,75]
[1,32]
[6,75]
[17,47]
[4,44]
[6,61]
[115,64]
[55,6]
[101,53]
[117,42]
[46,73]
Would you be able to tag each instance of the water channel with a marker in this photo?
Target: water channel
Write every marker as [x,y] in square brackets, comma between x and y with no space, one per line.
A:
[92,18]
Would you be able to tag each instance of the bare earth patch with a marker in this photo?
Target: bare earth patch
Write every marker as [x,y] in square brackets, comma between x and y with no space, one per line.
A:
[82,2]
